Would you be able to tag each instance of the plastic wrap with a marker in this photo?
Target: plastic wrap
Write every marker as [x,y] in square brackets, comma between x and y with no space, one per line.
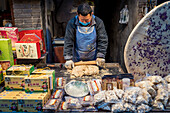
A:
[146,96]
[73,102]
[158,105]
[162,85]
[63,106]
[155,79]
[94,86]
[126,83]
[141,100]
[58,94]
[144,84]
[87,100]
[52,104]
[119,92]
[131,94]
[90,109]
[143,108]
[129,107]
[162,96]
[148,86]
[167,78]
[118,107]
[104,106]
[99,97]
[60,82]
[111,97]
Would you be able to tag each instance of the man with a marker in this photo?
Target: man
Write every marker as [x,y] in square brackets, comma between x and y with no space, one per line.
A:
[85,38]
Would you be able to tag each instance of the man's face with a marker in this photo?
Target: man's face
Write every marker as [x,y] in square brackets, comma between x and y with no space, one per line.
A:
[85,19]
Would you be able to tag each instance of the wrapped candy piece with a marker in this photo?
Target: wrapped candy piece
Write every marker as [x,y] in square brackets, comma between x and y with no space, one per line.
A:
[60,82]
[99,97]
[58,94]
[162,85]
[104,106]
[169,91]
[94,86]
[140,100]
[90,109]
[129,107]
[63,106]
[73,102]
[52,104]
[151,91]
[167,78]
[144,84]
[155,79]
[143,108]
[158,105]
[148,86]
[131,94]
[118,107]
[87,100]
[162,96]
[146,96]
[119,92]
[111,97]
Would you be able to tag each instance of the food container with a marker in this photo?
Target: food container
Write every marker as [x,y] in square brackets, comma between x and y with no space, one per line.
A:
[125,80]
[109,81]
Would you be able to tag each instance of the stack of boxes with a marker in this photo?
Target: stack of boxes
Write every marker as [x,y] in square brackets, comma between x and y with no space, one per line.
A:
[25,89]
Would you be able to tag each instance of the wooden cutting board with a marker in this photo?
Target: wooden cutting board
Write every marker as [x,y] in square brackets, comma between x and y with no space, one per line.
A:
[147,50]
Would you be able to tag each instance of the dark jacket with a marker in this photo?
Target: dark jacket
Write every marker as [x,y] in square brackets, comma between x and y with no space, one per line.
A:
[70,37]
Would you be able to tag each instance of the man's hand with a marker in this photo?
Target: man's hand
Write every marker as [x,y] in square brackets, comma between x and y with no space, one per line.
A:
[100,62]
[69,64]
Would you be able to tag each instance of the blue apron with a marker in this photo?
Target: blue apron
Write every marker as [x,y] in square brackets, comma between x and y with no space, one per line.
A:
[85,47]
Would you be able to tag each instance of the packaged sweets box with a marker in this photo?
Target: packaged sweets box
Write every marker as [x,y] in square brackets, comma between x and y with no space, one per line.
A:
[50,73]
[12,101]
[31,103]
[37,83]
[5,64]
[38,32]
[20,70]
[6,50]
[8,103]
[1,75]
[28,50]
[32,37]
[9,33]
[14,82]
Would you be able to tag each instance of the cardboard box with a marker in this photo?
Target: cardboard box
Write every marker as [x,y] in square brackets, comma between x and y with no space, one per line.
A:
[11,101]
[8,104]
[28,50]
[14,82]
[38,32]
[1,75]
[5,64]
[6,50]
[32,37]
[20,70]
[10,33]
[37,83]
[51,74]
[31,103]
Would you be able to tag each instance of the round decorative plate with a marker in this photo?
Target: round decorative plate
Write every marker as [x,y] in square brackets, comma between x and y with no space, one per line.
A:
[147,50]
[76,88]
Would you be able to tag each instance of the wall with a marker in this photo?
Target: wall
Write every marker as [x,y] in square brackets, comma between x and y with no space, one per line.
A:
[27,14]
[118,34]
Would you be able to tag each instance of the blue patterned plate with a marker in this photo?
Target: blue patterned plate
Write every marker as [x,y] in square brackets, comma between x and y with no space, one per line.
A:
[147,50]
